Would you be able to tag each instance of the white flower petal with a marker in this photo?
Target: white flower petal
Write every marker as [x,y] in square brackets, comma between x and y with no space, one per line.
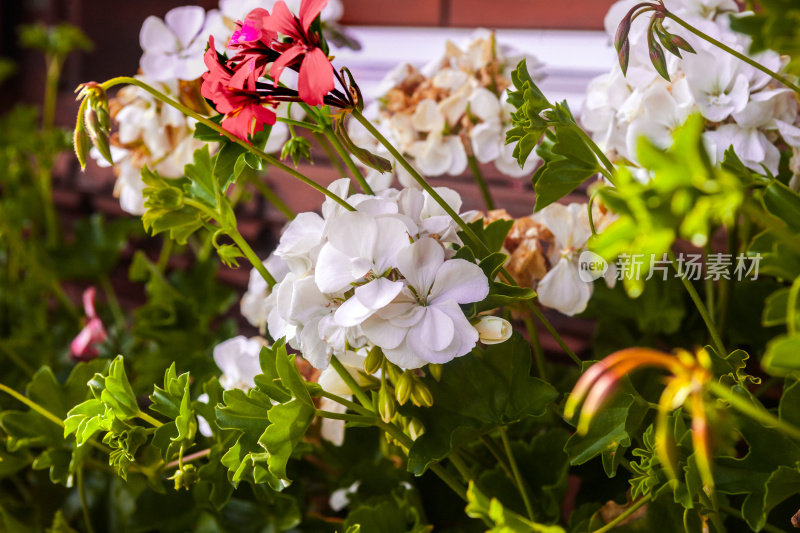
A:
[185,22]
[459,281]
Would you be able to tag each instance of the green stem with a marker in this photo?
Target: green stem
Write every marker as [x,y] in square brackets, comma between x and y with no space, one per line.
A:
[461,466]
[477,175]
[167,246]
[436,468]
[495,450]
[731,51]
[737,514]
[350,381]
[701,308]
[354,170]
[755,411]
[33,405]
[538,352]
[550,329]
[300,124]
[347,403]
[149,419]
[271,197]
[330,153]
[272,160]
[84,506]
[54,65]
[113,302]
[623,516]
[251,256]
[344,416]
[47,414]
[518,481]
[791,309]
[709,288]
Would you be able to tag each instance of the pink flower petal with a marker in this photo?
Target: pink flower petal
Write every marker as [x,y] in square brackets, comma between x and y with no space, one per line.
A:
[309,10]
[284,61]
[282,21]
[316,77]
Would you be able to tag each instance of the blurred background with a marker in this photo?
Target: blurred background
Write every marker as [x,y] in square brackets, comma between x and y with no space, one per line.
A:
[567,37]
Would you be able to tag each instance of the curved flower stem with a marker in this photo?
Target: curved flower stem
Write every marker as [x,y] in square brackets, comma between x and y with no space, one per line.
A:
[550,329]
[628,512]
[755,411]
[538,352]
[149,419]
[84,506]
[269,195]
[351,382]
[701,308]
[477,175]
[354,170]
[300,124]
[495,450]
[251,256]
[45,413]
[774,75]
[414,174]
[329,152]
[166,253]
[274,161]
[518,481]
[347,403]
[344,416]
[436,468]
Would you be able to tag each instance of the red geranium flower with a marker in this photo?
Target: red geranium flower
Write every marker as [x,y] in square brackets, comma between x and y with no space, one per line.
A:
[235,95]
[316,72]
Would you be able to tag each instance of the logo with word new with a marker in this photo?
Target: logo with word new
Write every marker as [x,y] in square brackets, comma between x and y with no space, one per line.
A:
[591,266]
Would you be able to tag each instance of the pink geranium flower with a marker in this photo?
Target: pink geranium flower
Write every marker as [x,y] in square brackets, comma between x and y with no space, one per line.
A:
[84,346]
[316,77]
[235,94]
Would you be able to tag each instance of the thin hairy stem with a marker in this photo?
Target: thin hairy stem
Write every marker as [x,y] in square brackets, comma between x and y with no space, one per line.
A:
[518,481]
[480,181]
[755,411]
[701,308]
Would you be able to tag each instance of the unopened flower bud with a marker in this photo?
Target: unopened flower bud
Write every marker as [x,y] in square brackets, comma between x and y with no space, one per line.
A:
[435,371]
[98,134]
[493,329]
[421,395]
[403,387]
[386,405]
[374,360]
[415,429]
[81,143]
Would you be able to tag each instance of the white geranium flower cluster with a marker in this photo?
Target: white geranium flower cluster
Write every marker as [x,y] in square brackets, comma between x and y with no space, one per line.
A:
[382,275]
[453,107]
[158,136]
[745,108]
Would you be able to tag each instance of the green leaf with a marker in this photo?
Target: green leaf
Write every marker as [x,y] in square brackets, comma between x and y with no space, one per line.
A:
[226,165]
[288,425]
[395,513]
[610,432]
[497,381]
[782,357]
[783,203]
[200,172]
[500,519]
